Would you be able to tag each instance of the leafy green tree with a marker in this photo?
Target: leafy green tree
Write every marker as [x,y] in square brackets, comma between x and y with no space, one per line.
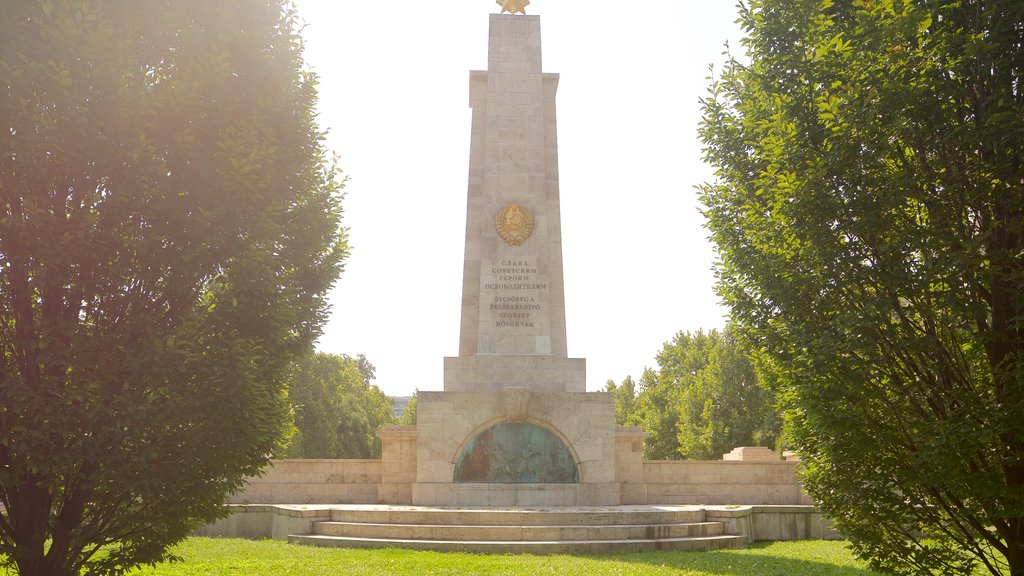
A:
[869,212]
[169,227]
[625,399]
[369,371]
[679,362]
[655,410]
[724,404]
[704,400]
[365,408]
[408,417]
[337,410]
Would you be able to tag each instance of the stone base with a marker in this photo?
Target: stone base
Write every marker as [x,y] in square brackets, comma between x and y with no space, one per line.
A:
[494,373]
[402,525]
[256,522]
[547,530]
[774,522]
[448,423]
[515,495]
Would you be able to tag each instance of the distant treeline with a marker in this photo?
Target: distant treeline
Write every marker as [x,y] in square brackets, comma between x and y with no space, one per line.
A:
[336,408]
[705,399]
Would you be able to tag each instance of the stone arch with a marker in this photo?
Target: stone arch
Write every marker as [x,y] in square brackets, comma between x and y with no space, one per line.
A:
[516,452]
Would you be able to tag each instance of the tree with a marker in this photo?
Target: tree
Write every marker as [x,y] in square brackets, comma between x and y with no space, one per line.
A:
[365,408]
[869,213]
[369,371]
[625,399]
[337,409]
[655,411]
[169,227]
[408,417]
[704,400]
[724,404]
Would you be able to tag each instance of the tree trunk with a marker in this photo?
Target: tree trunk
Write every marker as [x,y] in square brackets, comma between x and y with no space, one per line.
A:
[1015,548]
[30,517]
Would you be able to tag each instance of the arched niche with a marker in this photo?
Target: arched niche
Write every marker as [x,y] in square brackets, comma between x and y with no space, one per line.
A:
[516,452]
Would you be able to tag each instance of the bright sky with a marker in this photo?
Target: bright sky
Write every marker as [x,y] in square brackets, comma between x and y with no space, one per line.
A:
[394,94]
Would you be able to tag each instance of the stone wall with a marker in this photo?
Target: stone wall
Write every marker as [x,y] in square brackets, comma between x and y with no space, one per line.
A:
[712,482]
[717,482]
[398,464]
[773,522]
[314,482]
[256,522]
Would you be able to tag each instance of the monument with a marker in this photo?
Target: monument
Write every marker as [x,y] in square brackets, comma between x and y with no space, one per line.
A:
[514,425]
[514,455]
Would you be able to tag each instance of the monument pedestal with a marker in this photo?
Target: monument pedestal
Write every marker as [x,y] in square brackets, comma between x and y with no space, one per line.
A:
[450,423]
[493,373]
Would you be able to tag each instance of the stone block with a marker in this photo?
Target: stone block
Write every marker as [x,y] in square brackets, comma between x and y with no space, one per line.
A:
[492,373]
[597,472]
[632,494]
[752,454]
[602,494]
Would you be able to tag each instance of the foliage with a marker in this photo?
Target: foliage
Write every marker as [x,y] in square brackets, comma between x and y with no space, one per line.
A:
[169,227]
[704,400]
[337,409]
[656,411]
[724,405]
[408,417]
[625,398]
[227,557]
[869,214]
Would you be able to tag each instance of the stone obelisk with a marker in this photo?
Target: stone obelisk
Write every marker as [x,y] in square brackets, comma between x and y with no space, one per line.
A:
[514,425]
[513,303]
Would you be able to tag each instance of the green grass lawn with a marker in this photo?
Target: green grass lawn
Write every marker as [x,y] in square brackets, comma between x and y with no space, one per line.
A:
[222,557]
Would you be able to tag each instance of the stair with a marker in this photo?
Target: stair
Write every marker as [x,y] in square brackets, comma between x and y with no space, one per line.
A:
[521,530]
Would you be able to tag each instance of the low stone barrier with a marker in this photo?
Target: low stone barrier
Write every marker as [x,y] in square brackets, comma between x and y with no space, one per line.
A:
[753,522]
[773,522]
[717,482]
[314,482]
[698,482]
[259,521]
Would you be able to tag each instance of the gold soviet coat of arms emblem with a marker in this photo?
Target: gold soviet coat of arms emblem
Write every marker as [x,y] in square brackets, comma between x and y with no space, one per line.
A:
[514,224]
[513,6]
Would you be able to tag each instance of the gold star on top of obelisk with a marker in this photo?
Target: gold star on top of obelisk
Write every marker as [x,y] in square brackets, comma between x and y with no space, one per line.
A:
[513,6]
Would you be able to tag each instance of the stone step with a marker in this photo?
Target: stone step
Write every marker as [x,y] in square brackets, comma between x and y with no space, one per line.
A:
[595,516]
[528,547]
[437,532]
